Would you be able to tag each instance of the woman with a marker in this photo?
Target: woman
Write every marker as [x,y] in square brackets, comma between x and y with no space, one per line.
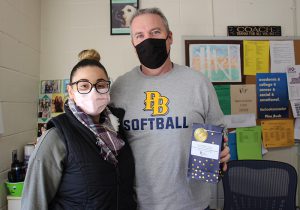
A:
[82,161]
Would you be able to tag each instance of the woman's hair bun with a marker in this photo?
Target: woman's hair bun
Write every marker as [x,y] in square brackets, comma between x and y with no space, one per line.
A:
[91,54]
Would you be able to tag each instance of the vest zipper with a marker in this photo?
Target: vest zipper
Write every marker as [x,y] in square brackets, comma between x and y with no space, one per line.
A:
[118,183]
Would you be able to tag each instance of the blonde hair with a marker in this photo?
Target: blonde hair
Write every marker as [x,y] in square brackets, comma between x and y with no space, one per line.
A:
[91,54]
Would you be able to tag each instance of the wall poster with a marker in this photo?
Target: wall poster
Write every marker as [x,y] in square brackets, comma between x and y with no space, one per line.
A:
[220,61]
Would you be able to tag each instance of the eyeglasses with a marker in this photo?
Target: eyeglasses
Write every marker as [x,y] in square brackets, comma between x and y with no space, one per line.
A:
[84,86]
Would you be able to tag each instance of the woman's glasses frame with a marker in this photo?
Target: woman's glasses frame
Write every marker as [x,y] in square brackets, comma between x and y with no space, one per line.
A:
[98,86]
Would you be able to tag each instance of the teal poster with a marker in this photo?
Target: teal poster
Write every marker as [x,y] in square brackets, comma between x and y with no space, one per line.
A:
[223,93]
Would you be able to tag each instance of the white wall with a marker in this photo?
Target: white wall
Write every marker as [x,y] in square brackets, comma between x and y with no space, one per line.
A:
[19,77]
[69,26]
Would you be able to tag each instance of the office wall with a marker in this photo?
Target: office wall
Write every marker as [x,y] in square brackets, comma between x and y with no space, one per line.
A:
[39,39]
[69,26]
[19,76]
[297,17]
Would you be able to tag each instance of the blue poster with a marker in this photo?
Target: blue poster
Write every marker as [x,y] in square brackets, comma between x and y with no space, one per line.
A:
[232,146]
[272,95]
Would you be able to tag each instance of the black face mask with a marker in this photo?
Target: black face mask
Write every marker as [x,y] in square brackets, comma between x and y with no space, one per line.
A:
[152,52]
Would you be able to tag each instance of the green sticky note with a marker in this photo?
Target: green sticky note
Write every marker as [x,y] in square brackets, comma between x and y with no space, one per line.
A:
[248,142]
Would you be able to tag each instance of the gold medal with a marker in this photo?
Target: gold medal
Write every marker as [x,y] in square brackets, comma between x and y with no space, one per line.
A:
[200,134]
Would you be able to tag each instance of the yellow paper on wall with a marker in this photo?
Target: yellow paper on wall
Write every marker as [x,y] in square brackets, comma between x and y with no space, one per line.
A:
[278,133]
[256,57]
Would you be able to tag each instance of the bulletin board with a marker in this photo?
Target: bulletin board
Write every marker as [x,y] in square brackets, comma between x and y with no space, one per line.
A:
[237,147]
[245,79]
[227,50]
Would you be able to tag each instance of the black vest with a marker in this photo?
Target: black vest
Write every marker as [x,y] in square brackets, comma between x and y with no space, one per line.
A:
[89,182]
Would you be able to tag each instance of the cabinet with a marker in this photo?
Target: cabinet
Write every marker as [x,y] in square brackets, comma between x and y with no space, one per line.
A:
[13,203]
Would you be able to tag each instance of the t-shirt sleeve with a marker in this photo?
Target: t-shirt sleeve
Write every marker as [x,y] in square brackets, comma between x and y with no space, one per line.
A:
[44,171]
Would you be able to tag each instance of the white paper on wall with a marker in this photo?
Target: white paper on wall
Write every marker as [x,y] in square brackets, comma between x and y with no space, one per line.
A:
[282,55]
[240,120]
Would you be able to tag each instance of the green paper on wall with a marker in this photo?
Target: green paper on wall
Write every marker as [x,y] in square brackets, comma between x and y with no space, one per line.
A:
[223,93]
[248,142]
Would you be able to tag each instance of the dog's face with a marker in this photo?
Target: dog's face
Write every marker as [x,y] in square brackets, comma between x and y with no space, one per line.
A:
[128,12]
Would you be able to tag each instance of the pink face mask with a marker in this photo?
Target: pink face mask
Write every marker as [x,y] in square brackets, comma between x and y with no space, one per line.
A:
[92,103]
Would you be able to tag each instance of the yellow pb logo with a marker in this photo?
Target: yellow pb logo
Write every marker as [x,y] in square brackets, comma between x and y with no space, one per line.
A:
[156,103]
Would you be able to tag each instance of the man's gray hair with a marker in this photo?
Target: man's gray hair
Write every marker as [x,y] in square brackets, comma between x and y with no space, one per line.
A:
[155,11]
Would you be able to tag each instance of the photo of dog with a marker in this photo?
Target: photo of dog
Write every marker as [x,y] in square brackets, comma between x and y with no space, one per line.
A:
[122,14]
[127,12]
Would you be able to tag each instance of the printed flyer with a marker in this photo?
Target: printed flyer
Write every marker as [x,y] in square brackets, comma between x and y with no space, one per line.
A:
[272,95]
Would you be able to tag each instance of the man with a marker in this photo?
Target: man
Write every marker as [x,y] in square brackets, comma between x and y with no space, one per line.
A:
[161,101]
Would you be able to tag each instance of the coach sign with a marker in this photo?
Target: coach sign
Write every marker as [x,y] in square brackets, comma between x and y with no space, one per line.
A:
[254,30]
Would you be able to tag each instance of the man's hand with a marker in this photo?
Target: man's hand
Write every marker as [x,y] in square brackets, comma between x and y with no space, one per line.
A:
[225,154]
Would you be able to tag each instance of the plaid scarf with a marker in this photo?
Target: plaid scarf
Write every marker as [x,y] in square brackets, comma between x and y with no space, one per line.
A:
[105,133]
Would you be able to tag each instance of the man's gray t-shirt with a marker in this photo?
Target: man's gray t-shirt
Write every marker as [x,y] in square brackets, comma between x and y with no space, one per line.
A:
[159,113]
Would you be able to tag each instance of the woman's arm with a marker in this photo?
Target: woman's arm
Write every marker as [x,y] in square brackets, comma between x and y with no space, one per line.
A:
[44,171]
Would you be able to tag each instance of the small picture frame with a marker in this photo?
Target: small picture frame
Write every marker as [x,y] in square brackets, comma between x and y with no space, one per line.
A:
[50,86]
[121,12]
